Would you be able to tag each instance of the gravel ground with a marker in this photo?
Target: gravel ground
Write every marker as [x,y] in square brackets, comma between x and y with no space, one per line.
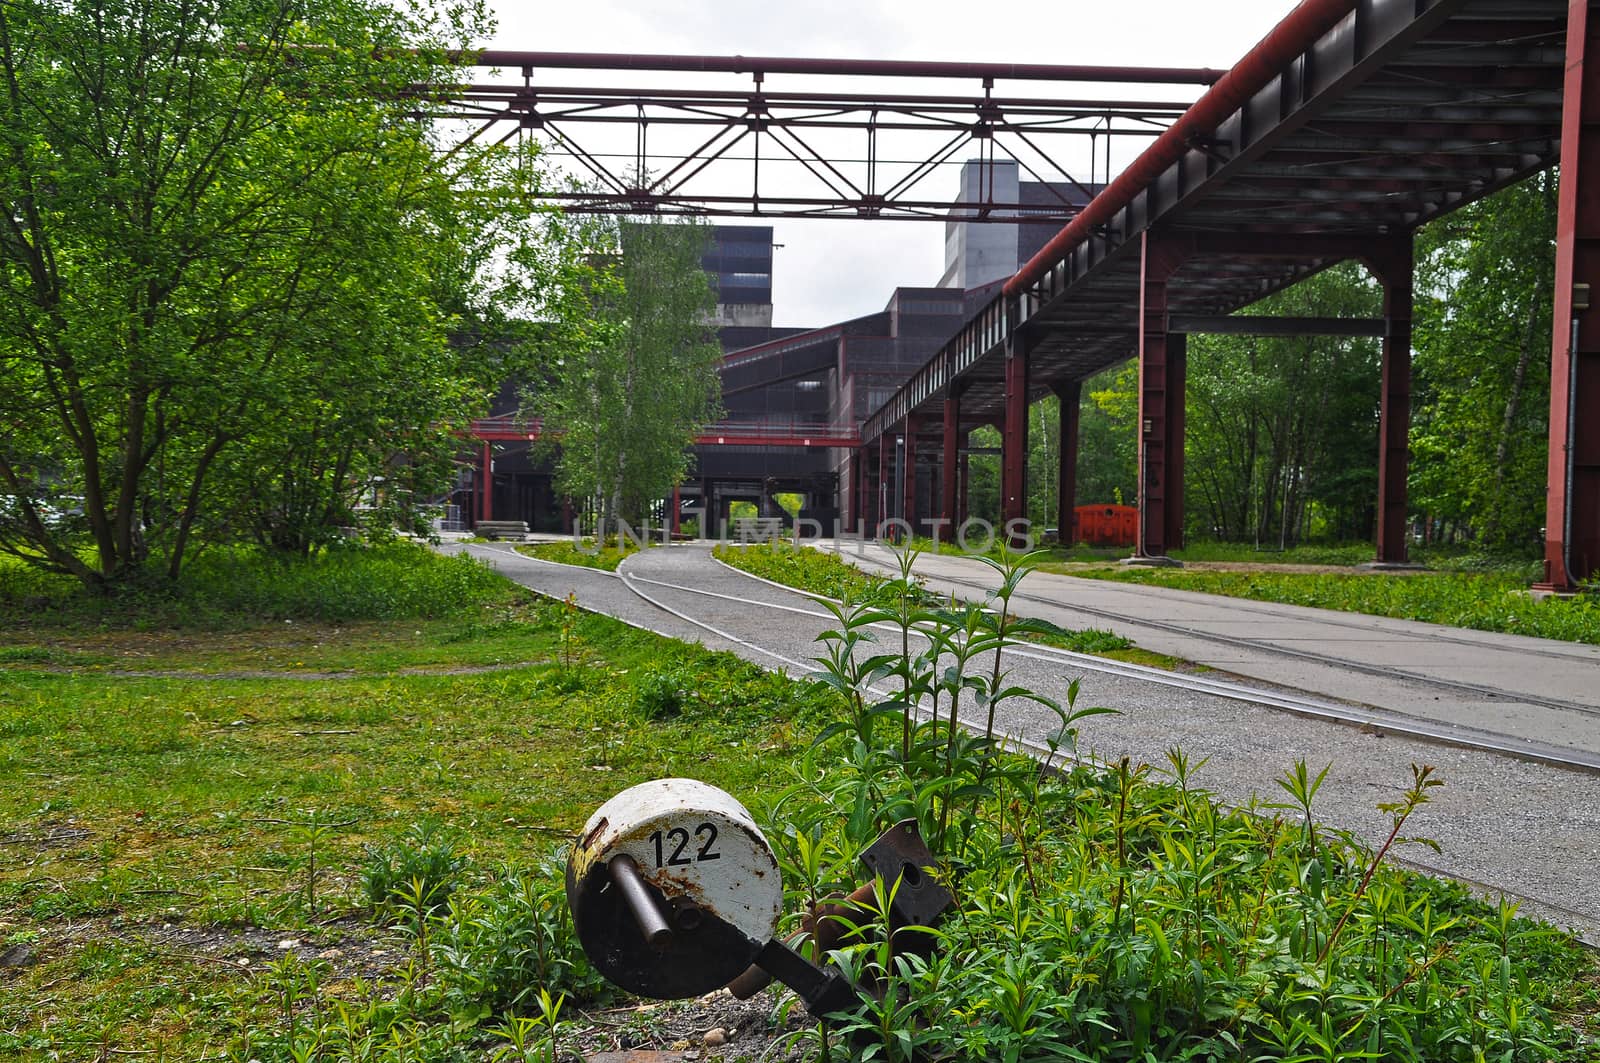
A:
[1527,830]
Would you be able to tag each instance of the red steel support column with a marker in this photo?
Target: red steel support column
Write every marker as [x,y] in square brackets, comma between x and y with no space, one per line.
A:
[486,481]
[1572,512]
[1177,392]
[677,506]
[908,485]
[964,475]
[1014,433]
[857,481]
[1392,265]
[881,510]
[1161,382]
[950,459]
[1069,394]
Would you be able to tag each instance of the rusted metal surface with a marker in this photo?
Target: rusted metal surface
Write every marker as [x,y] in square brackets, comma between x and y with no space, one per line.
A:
[900,859]
[1572,518]
[898,68]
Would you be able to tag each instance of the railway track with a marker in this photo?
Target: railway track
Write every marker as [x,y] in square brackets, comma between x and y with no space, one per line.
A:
[1519,820]
[1364,717]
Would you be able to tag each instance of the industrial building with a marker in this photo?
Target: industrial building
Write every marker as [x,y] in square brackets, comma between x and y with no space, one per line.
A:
[794,398]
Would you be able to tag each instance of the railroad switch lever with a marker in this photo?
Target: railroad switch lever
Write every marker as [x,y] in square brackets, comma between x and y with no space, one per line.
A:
[916,899]
[641,902]
[675,892]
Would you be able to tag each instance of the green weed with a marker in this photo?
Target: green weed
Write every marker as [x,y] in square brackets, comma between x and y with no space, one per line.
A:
[1117,915]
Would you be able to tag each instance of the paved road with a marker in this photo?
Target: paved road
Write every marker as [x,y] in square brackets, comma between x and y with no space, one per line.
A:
[1539,690]
[1527,829]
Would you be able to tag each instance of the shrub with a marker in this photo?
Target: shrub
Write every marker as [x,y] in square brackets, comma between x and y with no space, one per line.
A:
[420,868]
[1112,915]
[496,949]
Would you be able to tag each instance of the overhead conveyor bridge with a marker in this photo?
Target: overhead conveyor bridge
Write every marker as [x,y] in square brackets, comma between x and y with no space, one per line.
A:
[1350,125]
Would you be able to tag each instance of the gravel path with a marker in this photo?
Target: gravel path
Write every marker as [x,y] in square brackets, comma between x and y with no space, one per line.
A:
[1527,830]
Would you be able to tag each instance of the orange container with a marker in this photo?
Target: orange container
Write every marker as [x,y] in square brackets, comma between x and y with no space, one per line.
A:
[1106,525]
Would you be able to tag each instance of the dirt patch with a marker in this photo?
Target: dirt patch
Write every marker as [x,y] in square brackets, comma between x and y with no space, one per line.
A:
[710,1028]
[57,835]
[350,949]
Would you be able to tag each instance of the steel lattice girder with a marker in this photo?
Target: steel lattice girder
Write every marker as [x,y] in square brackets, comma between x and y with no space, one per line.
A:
[718,151]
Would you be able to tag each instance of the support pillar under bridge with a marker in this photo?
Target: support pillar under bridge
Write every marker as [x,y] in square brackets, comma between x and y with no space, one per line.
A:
[1572,512]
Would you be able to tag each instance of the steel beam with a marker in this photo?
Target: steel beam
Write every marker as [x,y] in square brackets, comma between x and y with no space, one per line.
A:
[1161,397]
[1392,264]
[899,68]
[1246,325]
[1177,392]
[908,477]
[964,476]
[486,479]
[1572,513]
[947,468]
[1014,433]
[881,510]
[1069,394]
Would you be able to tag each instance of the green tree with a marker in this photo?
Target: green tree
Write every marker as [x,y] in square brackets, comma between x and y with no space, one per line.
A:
[632,374]
[1485,280]
[1108,461]
[229,261]
[1282,431]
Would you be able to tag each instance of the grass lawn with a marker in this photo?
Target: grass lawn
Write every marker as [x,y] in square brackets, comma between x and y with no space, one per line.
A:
[585,554]
[1485,601]
[238,822]
[158,830]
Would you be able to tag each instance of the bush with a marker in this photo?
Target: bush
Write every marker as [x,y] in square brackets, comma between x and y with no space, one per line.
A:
[416,870]
[660,695]
[1111,915]
[221,587]
[496,949]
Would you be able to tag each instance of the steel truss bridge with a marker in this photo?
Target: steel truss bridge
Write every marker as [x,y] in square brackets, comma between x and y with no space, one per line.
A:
[761,151]
[1346,128]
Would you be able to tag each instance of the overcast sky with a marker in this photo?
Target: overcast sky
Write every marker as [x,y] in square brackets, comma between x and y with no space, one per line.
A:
[831,270]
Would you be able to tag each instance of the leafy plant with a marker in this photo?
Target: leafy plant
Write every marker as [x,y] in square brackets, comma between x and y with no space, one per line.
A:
[512,946]
[419,868]
[1112,915]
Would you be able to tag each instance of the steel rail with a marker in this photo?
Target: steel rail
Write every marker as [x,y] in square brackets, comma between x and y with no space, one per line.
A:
[1042,752]
[1491,693]
[1438,733]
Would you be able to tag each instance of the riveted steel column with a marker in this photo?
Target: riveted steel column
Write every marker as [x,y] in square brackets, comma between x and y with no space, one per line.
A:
[881,510]
[1572,512]
[1392,264]
[1069,394]
[908,482]
[963,477]
[1014,432]
[1161,398]
[855,518]
[951,457]
[486,480]
[1177,391]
